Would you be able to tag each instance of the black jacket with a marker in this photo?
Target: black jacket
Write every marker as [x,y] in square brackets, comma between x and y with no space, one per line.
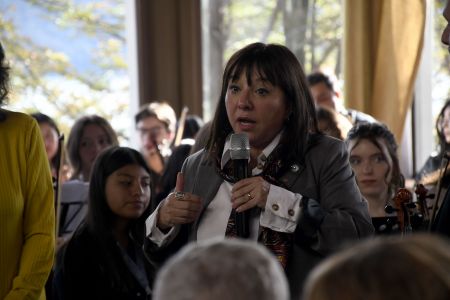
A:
[441,224]
[83,271]
[432,164]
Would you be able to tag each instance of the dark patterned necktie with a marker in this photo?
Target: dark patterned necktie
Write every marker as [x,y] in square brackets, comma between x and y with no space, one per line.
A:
[279,243]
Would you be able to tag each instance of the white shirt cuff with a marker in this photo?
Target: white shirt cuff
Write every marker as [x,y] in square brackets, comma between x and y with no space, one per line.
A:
[282,210]
[154,234]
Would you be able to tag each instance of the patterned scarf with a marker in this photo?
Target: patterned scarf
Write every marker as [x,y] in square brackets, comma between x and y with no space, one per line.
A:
[279,243]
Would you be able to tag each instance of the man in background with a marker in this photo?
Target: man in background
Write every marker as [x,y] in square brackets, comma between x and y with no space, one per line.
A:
[325,95]
[441,224]
[156,123]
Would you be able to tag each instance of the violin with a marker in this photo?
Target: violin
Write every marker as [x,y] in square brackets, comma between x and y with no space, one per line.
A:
[422,195]
[57,181]
[403,202]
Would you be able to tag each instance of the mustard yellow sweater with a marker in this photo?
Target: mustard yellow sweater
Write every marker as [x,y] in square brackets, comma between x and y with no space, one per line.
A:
[26,210]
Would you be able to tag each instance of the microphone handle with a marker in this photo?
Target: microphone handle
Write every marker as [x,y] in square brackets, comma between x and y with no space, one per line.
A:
[242,218]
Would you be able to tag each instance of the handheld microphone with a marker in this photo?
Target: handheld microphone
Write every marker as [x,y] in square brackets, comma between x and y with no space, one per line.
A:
[240,154]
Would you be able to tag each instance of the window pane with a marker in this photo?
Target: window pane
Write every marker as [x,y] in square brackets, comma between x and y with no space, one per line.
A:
[67,59]
[311,29]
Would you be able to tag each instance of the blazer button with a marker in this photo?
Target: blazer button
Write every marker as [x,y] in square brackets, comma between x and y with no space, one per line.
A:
[295,168]
[275,207]
[291,212]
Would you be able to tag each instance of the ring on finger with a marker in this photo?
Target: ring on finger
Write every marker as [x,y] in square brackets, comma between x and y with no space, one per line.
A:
[179,195]
[249,196]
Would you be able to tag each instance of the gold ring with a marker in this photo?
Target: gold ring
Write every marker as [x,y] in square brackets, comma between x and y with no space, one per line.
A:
[179,195]
[249,196]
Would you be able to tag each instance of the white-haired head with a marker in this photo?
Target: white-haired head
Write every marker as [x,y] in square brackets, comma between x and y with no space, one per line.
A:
[229,269]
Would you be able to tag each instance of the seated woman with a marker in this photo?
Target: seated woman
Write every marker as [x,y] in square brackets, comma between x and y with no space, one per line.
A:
[373,157]
[430,173]
[104,257]
[53,142]
[50,134]
[89,136]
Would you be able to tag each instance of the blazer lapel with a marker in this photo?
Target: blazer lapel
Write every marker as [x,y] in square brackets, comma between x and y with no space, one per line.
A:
[206,185]
[292,174]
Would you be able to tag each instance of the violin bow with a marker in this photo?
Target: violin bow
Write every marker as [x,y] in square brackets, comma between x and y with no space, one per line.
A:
[57,186]
[180,129]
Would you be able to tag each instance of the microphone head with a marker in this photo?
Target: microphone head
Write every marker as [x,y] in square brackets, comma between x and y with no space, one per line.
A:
[240,146]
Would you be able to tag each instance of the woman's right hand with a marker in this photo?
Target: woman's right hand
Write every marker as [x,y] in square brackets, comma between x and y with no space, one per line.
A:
[178,207]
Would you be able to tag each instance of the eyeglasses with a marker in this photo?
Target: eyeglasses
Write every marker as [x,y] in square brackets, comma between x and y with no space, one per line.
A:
[154,131]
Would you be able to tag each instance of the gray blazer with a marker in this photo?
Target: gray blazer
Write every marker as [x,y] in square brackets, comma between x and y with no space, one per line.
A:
[333,210]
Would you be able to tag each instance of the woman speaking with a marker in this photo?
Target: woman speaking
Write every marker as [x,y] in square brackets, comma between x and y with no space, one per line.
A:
[300,195]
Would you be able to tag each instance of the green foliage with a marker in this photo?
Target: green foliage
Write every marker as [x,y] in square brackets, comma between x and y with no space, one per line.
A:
[248,21]
[46,80]
[271,21]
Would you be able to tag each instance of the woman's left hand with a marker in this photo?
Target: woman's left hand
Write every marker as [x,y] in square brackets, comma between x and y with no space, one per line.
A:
[249,192]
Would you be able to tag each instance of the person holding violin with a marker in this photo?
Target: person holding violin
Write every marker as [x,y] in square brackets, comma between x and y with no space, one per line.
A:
[156,125]
[88,137]
[50,133]
[431,172]
[441,223]
[192,124]
[373,157]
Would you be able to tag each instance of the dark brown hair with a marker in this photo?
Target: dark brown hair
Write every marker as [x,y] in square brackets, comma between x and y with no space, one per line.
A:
[74,141]
[281,68]
[443,146]
[158,110]
[372,132]
[4,81]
